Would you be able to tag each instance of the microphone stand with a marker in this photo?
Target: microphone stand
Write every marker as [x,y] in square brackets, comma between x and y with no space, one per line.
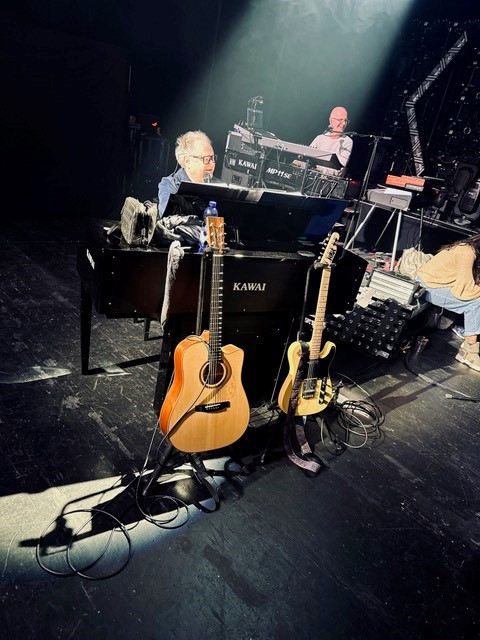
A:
[366,177]
[260,156]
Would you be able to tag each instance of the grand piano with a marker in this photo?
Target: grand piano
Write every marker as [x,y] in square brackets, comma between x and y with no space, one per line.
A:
[272,243]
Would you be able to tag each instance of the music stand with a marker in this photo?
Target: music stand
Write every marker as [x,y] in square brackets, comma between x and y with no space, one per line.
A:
[269,219]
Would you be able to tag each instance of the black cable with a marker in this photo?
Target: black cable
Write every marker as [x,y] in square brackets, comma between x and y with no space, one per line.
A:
[454,393]
[81,572]
[361,418]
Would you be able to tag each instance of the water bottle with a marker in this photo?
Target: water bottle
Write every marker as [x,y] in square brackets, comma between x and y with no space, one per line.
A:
[211,210]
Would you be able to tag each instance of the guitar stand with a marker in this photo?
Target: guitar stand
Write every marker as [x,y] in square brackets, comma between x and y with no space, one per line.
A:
[199,470]
[306,457]
[339,448]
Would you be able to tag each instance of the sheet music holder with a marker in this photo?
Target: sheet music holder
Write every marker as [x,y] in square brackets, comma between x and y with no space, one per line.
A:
[269,219]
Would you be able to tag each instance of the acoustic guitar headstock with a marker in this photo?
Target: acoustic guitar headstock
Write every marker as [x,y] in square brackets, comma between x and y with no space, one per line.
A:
[215,233]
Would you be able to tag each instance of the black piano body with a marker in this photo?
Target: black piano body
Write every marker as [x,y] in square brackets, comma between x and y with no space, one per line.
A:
[264,297]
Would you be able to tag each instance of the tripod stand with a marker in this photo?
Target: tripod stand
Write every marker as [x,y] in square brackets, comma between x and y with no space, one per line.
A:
[199,470]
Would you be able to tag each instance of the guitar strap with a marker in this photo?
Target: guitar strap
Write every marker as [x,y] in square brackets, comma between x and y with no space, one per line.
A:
[294,425]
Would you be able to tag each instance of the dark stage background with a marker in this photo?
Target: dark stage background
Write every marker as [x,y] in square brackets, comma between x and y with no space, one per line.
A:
[74,73]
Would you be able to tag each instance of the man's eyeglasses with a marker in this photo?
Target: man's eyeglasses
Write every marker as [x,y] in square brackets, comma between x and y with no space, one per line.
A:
[345,120]
[206,159]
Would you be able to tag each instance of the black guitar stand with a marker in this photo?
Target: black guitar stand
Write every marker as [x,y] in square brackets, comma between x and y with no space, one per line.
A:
[199,470]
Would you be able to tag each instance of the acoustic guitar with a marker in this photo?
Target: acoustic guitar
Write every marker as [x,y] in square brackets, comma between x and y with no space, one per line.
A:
[315,390]
[206,406]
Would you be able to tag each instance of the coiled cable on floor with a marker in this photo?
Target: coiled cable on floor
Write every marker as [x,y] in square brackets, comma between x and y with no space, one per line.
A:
[358,421]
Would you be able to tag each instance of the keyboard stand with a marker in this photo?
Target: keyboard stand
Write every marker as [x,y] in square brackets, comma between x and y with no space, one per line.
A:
[399,213]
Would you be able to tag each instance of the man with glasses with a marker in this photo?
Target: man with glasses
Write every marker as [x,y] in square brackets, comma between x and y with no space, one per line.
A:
[194,154]
[334,141]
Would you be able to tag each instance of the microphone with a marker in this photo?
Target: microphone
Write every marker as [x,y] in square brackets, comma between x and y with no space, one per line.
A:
[450,396]
[328,129]
[207,177]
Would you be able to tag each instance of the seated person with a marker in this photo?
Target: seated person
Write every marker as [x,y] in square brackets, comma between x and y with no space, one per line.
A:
[194,154]
[452,280]
[333,141]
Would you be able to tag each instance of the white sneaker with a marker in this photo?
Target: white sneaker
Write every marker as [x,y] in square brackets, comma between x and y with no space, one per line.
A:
[469,355]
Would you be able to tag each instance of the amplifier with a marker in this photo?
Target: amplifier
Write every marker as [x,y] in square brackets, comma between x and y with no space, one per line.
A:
[238,178]
[240,168]
[241,162]
[235,143]
[386,284]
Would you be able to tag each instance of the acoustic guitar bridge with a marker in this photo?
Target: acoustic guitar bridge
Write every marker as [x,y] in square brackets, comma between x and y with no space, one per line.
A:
[212,407]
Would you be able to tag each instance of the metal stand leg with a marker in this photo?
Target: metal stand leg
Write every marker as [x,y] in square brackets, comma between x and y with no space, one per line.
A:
[164,455]
[360,227]
[85,327]
[395,240]
[146,329]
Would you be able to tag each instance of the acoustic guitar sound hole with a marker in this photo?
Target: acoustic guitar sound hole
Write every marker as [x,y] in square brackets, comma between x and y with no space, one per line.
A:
[213,375]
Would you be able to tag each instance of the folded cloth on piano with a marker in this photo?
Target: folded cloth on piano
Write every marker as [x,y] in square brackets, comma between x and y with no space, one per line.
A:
[182,228]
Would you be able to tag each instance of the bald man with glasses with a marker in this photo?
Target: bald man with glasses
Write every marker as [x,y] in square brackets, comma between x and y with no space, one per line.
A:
[196,159]
[334,140]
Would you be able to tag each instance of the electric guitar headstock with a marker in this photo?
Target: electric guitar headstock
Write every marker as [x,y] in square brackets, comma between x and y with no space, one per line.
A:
[215,227]
[330,244]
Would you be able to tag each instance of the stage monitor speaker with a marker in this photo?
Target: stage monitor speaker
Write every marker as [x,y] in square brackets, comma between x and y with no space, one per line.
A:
[150,164]
[237,178]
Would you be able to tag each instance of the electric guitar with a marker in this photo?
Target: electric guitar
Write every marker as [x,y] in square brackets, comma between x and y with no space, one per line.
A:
[206,406]
[315,390]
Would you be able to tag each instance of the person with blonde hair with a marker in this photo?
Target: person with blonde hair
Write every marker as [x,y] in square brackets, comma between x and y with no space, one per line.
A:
[452,280]
[196,160]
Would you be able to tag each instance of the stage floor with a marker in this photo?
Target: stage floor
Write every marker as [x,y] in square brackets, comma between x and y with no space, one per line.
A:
[382,543]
